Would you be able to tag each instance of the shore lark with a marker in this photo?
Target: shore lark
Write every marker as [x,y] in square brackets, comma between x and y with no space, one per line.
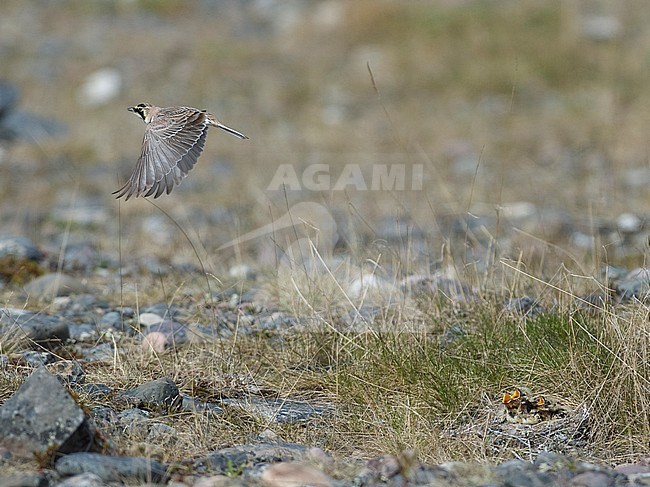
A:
[173,141]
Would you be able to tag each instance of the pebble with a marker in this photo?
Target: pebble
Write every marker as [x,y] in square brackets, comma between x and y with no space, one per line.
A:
[25,326]
[100,87]
[148,319]
[242,272]
[154,342]
[524,306]
[86,479]
[289,473]
[436,285]
[281,411]
[36,359]
[9,96]
[157,393]
[20,248]
[16,124]
[602,27]
[220,461]
[23,480]
[50,285]
[112,468]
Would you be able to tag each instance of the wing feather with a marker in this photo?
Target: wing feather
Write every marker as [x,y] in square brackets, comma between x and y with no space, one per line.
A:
[171,146]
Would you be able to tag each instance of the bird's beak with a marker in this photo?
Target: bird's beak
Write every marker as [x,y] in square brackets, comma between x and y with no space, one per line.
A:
[131,109]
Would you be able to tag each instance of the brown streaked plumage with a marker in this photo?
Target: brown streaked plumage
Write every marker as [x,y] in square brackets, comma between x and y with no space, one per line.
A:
[173,141]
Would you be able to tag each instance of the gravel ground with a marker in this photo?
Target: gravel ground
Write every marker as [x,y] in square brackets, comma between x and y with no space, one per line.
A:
[517,134]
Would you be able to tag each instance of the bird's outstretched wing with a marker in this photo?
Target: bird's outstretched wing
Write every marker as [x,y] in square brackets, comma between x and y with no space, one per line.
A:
[170,148]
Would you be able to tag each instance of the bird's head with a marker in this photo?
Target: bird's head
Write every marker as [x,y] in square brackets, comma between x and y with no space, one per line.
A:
[142,110]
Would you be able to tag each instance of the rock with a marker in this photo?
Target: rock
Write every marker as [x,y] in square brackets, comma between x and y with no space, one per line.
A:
[632,469]
[226,459]
[41,418]
[154,342]
[160,433]
[280,411]
[9,96]
[19,247]
[361,319]
[69,372]
[174,333]
[289,473]
[242,272]
[369,283]
[104,352]
[148,319]
[113,469]
[26,326]
[54,284]
[112,319]
[87,479]
[593,479]
[160,392]
[629,223]
[194,405]
[83,332]
[386,466]
[24,480]
[525,306]
[635,284]
[451,336]
[602,27]
[214,481]
[36,359]
[83,212]
[134,418]
[100,87]
[437,285]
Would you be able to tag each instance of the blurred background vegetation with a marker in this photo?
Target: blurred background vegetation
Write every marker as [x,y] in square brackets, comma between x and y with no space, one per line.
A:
[521,109]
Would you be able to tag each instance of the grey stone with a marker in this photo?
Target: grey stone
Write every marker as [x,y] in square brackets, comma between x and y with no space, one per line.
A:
[226,459]
[113,469]
[30,127]
[36,359]
[24,480]
[83,332]
[176,333]
[97,391]
[9,96]
[69,372]
[100,87]
[525,306]
[41,418]
[87,479]
[104,352]
[163,310]
[279,410]
[593,479]
[83,480]
[104,417]
[112,319]
[39,328]
[20,248]
[190,404]
[159,392]
[54,284]
[602,27]
[83,256]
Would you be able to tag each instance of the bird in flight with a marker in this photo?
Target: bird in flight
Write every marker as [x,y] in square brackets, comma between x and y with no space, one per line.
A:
[173,141]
